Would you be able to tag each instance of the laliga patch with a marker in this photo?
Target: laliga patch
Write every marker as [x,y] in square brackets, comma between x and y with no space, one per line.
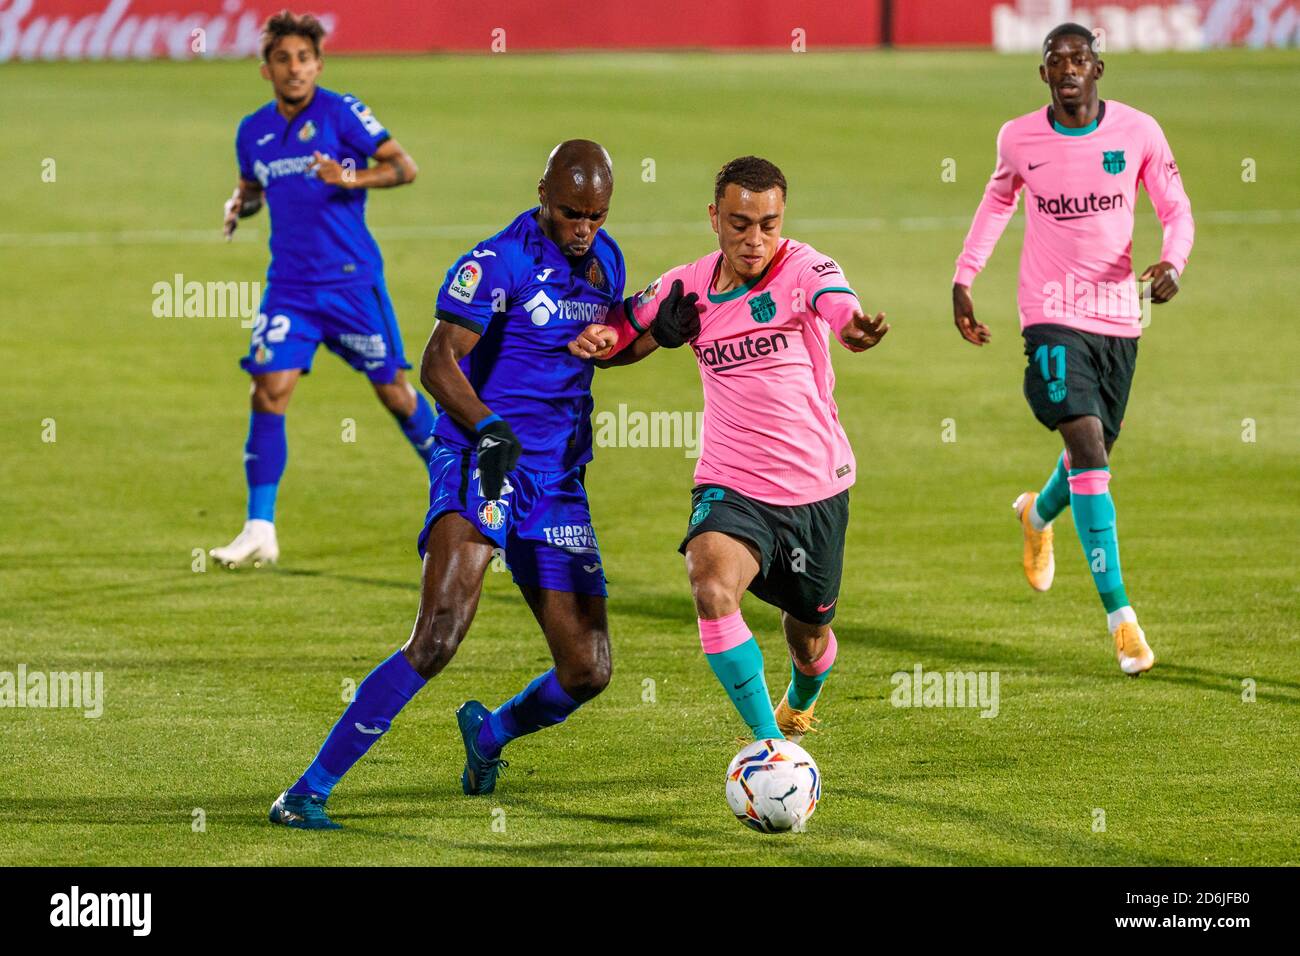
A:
[648,294]
[492,515]
[465,283]
[362,112]
[307,132]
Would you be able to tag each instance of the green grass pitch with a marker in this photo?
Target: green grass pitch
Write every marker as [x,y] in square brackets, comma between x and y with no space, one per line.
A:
[220,686]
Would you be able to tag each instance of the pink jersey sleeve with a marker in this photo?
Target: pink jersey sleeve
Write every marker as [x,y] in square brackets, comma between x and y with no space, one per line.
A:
[644,305]
[1159,174]
[628,330]
[819,276]
[991,218]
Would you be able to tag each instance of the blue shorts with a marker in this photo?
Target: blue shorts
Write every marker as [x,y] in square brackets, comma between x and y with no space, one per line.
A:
[541,523]
[356,322]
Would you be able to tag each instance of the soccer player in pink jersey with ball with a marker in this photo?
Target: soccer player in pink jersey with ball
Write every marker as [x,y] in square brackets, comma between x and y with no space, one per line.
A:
[1079,162]
[770,504]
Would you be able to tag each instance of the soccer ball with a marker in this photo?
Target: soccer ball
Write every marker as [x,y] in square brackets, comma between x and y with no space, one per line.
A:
[773,786]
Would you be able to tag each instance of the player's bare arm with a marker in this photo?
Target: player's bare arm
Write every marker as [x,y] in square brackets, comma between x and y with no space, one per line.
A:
[963,316]
[440,373]
[596,343]
[498,447]
[244,202]
[393,167]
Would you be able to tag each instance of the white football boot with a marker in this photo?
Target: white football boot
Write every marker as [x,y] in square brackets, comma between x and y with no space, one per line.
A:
[255,545]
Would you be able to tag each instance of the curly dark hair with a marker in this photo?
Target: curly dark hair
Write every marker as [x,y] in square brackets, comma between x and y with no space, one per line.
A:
[289,24]
[749,172]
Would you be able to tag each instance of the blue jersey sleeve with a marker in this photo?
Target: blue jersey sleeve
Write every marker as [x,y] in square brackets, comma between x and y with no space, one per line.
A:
[477,288]
[241,154]
[358,128]
[619,278]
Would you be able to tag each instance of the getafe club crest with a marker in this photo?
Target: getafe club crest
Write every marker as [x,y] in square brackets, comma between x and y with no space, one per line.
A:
[595,275]
[307,132]
[1113,161]
[762,308]
[491,515]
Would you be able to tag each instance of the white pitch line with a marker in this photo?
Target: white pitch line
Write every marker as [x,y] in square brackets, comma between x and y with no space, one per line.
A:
[472,232]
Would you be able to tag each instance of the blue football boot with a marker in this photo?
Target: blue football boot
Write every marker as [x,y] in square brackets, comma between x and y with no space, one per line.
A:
[480,774]
[302,812]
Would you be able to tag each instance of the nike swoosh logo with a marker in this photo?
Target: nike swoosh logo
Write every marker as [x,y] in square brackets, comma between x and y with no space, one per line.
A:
[744,682]
[486,442]
[371,366]
[266,139]
[1097,530]
[823,608]
[1033,166]
[368,730]
[479,254]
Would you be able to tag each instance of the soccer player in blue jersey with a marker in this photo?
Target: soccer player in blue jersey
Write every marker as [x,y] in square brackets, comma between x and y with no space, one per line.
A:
[307,154]
[511,445]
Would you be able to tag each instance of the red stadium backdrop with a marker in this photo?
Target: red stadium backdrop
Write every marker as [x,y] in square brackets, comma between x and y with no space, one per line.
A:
[180,29]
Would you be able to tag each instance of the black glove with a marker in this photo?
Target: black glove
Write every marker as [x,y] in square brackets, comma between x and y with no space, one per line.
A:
[677,321]
[498,453]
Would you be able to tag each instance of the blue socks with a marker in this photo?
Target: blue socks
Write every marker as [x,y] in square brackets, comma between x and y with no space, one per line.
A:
[543,703]
[418,428]
[265,453]
[267,450]
[381,695]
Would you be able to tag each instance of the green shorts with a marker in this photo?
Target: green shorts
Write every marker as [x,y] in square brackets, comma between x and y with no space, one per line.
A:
[1071,373]
[800,547]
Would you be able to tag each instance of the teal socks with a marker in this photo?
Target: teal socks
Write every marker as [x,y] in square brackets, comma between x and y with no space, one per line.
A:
[1094,519]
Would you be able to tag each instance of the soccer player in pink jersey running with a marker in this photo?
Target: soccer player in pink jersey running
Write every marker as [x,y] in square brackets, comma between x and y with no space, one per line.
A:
[1079,163]
[770,504]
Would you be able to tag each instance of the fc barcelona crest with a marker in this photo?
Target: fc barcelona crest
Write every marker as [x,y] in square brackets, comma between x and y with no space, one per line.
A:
[1113,161]
[762,308]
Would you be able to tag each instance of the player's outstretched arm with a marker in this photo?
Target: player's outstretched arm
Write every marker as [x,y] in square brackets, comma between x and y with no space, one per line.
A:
[598,343]
[393,167]
[963,316]
[856,330]
[244,202]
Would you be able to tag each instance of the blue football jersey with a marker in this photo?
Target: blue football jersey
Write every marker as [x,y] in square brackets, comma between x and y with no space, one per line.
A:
[528,300]
[318,231]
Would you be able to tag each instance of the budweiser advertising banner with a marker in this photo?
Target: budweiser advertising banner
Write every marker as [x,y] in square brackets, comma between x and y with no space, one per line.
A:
[182,29]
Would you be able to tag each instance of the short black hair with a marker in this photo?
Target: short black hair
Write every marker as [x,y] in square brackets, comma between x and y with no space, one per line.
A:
[748,172]
[1070,30]
[289,24]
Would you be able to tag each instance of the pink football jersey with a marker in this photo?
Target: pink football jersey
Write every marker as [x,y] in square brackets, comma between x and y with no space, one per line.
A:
[1076,268]
[771,428]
